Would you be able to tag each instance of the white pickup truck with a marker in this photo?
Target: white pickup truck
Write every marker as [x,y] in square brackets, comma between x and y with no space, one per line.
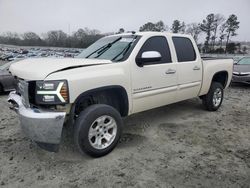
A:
[115,77]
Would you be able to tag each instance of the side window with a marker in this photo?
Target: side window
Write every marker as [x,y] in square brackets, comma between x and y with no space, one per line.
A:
[159,44]
[184,49]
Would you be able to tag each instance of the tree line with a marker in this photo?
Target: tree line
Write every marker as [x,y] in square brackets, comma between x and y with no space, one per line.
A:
[217,29]
[82,38]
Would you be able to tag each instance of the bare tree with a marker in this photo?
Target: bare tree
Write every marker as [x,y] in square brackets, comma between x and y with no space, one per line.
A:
[82,38]
[218,20]
[194,30]
[31,38]
[183,28]
[11,38]
[222,33]
[56,38]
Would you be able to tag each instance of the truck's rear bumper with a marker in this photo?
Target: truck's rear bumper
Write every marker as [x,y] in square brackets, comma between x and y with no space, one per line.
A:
[43,127]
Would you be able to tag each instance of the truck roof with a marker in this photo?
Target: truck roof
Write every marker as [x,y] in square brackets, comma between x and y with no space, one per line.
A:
[152,33]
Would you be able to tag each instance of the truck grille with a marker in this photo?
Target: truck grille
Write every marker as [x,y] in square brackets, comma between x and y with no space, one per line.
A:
[23,90]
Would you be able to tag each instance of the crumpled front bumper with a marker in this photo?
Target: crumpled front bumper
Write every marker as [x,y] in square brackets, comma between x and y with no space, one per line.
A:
[43,127]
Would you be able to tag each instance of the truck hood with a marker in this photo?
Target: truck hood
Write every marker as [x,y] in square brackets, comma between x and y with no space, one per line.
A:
[40,68]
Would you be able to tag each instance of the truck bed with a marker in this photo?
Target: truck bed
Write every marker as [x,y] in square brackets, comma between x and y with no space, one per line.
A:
[211,66]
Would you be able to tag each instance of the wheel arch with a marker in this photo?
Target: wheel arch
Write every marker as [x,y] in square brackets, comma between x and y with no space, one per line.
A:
[114,95]
[221,77]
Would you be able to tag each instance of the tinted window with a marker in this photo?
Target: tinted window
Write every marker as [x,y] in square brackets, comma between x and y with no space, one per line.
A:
[158,44]
[184,49]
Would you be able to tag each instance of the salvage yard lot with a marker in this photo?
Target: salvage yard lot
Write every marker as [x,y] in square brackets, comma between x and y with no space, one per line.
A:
[180,145]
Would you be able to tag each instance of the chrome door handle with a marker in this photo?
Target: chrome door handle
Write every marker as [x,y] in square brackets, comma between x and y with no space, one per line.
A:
[170,71]
[196,68]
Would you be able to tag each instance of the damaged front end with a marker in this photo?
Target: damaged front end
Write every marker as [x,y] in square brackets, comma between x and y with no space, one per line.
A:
[42,126]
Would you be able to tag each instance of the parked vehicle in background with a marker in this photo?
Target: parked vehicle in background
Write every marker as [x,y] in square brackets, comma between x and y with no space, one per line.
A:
[115,77]
[7,57]
[15,52]
[237,58]
[241,71]
[7,81]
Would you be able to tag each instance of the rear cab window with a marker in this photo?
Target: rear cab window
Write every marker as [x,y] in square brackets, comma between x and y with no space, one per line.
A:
[184,49]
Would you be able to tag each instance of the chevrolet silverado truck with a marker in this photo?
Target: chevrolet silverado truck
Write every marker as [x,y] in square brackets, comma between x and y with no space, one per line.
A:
[115,77]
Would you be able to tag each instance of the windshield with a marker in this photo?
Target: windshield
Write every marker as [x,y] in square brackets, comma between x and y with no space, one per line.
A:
[5,66]
[113,48]
[244,61]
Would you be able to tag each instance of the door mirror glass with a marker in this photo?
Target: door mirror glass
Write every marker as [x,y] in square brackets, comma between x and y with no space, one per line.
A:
[148,56]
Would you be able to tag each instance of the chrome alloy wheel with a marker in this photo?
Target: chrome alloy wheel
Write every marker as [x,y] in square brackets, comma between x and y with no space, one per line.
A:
[102,132]
[217,97]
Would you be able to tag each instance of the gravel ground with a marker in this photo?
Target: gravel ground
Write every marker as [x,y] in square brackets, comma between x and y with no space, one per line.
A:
[180,145]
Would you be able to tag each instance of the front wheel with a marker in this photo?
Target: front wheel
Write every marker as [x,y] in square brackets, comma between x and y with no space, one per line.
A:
[97,130]
[213,99]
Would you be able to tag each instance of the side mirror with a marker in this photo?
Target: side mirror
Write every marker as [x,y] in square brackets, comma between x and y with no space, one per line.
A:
[147,57]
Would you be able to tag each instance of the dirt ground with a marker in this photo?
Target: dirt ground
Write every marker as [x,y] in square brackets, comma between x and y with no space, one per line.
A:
[2,62]
[180,145]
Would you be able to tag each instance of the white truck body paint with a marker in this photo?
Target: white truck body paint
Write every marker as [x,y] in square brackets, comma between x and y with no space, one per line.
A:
[147,87]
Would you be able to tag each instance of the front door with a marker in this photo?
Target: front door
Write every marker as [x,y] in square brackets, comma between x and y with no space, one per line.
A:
[155,83]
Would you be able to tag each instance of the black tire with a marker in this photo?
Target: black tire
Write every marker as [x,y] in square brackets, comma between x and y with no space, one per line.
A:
[1,89]
[207,99]
[86,120]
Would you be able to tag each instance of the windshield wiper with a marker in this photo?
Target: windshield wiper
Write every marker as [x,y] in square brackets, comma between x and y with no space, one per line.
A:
[124,51]
[102,49]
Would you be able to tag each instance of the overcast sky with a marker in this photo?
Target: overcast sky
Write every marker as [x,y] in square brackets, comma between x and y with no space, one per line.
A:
[110,15]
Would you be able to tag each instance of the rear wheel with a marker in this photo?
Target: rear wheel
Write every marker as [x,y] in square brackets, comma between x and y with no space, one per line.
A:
[97,130]
[213,99]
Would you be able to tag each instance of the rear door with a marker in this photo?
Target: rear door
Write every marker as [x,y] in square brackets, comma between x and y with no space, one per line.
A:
[189,68]
[154,84]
